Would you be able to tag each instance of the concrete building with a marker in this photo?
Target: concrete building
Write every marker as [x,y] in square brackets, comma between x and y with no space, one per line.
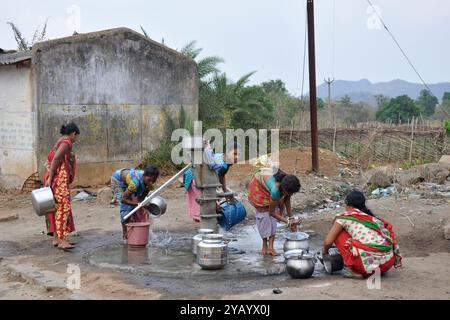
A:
[115,84]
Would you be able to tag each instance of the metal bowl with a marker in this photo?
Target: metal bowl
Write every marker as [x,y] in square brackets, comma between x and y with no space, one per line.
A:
[43,201]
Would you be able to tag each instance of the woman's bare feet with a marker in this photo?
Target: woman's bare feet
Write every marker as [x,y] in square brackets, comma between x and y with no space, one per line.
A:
[273,253]
[56,242]
[65,245]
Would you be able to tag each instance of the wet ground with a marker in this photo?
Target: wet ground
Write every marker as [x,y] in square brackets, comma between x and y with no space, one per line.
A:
[170,255]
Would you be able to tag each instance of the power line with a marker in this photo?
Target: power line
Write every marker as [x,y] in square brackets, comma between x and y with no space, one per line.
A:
[398,45]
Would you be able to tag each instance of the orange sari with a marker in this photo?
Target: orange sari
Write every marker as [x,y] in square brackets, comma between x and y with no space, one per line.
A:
[61,221]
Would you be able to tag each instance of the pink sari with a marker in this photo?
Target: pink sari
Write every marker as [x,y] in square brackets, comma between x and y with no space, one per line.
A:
[192,205]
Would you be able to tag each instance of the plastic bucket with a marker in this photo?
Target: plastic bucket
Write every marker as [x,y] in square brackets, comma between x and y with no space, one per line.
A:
[233,213]
[137,233]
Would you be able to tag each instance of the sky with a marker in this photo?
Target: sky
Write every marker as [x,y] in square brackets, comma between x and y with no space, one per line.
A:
[266,36]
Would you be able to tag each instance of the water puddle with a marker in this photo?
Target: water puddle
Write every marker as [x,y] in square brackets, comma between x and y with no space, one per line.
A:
[169,255]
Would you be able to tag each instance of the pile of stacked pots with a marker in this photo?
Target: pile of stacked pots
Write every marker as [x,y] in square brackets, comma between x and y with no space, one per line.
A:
[211,249]
[299,262]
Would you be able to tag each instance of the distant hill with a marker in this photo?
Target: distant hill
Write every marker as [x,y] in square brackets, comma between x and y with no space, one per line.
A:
[364,90]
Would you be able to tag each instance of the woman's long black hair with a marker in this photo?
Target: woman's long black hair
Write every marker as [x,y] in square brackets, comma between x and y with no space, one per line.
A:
[356,199]
[67,129]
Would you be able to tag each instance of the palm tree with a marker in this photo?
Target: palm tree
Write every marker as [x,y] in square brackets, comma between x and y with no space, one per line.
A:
[22,43]
[207,66]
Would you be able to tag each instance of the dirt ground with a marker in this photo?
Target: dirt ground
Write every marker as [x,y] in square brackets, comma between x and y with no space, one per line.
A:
[30,268]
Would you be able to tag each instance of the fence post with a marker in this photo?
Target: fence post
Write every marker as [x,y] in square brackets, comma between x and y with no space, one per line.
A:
[412,140]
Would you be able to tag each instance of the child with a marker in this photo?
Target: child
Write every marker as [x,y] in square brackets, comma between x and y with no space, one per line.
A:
[270,194]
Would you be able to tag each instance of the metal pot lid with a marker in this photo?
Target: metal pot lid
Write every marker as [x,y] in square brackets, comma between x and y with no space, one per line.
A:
[296,236]
[205,231]
[296,254]
[213,236]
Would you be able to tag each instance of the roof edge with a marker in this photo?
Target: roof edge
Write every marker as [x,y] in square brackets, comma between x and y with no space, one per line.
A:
[99,34]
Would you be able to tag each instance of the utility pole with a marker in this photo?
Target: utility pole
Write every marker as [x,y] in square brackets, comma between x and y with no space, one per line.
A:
[330,115]
[312,86]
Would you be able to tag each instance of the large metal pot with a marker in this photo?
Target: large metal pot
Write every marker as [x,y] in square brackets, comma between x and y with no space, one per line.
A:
[212,252]
[300,264]
[296,240]
[199,237]
[43,201]
[157,207]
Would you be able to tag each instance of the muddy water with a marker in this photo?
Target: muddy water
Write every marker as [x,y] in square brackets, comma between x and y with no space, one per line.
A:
[170,255]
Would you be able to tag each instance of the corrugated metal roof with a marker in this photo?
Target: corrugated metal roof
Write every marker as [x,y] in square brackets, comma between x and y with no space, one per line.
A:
[11,58]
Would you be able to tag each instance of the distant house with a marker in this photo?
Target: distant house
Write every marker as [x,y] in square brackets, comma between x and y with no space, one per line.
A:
[114,84]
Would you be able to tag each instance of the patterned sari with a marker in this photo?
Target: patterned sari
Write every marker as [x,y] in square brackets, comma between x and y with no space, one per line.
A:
[61,221]
[367,243]
[262,189]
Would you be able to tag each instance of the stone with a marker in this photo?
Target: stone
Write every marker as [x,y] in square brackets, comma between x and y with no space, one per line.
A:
[409,177]
[381,177]
[435,172]
[445,159]
[104,195]
[441,176]
[447,231]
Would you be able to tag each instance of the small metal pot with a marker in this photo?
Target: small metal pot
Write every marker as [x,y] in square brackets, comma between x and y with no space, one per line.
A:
[296,240]
[157,207]
[199,237]
[300,264]
[43,201]
[333,262]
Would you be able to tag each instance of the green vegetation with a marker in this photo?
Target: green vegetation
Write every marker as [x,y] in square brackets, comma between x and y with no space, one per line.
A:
[399,110]
[447,126]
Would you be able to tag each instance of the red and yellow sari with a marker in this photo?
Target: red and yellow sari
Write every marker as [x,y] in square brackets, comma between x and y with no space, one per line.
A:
[61,221]
[367,243]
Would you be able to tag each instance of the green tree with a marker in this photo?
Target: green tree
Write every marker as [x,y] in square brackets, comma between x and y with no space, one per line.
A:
[427,103]
[399,109]
[206,66]
[320,103]
[381,100]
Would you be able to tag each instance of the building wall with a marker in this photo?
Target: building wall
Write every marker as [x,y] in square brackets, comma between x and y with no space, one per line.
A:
[115,86]
[17,126]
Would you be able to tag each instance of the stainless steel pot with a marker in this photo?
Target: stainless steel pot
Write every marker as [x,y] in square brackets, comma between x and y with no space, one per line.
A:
[300,264]
[43,201]
[199,237]
[212,252]
[333,262]
[157,207]
[296,240]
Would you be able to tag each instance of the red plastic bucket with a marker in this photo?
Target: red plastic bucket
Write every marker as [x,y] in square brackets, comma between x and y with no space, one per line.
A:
[137,233]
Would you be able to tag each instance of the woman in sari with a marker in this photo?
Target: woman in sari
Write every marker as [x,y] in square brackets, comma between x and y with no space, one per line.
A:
[270,194]
[366,242]
[218,162]
[130,187]
[60,173]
